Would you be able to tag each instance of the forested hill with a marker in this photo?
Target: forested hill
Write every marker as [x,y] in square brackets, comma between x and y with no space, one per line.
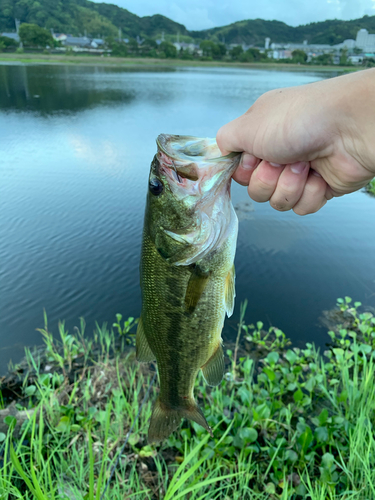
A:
[101,19]
[82,16]
[254,31]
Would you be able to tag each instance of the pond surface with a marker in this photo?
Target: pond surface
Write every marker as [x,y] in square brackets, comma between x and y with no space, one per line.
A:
[75,148]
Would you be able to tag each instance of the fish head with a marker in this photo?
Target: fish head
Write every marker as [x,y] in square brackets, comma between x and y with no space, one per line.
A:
[188,207]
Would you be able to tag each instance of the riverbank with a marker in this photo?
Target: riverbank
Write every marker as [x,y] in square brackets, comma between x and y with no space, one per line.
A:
[288,423]
[128,62]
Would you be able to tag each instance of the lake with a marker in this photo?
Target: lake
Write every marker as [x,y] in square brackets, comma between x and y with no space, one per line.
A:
[75,149]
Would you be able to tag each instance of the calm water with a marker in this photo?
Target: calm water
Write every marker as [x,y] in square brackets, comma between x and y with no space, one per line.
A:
[75,149]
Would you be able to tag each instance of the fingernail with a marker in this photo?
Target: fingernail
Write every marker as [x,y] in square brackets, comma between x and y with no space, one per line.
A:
[249,162]
[299,167]
[275,164]
[315,173]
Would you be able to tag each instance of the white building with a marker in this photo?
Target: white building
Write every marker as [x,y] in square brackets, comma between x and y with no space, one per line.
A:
[346,44]
[190,47]
[59,37]
[356,59]
[365,41]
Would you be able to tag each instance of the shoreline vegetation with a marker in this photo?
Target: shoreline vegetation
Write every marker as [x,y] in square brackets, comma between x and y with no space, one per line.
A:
[370,188]
[38,58]
[288,423]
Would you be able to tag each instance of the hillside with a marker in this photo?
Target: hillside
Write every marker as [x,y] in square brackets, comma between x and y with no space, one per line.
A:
[254,31]
[79,16]
[102,19]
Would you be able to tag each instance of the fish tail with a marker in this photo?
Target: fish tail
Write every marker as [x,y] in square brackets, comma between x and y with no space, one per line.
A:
[165,420]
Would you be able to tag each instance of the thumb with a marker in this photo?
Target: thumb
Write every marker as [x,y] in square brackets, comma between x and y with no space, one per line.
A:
[236,136]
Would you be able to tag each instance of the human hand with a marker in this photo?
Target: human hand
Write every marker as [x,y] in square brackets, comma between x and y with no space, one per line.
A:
[304,145]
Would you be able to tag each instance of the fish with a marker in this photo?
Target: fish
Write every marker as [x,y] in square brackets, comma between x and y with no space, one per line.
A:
[187,274]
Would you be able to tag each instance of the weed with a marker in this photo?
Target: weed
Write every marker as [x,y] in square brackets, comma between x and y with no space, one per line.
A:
[288,423]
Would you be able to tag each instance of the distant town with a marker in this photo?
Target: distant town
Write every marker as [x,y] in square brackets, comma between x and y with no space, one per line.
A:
[30,37]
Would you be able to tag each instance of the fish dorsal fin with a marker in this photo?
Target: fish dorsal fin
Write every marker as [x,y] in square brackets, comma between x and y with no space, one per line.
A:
[197,283]
[213,370]
[230,292]
[143,350]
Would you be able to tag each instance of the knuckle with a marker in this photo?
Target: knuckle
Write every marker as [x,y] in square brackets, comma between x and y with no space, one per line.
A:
[263,184]
[288,190]
[301,211]
[314,186]
[277,205]
[257,195]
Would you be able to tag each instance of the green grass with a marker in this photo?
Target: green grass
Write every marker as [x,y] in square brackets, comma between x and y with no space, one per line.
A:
[370,188]
[145,61]
[288,423]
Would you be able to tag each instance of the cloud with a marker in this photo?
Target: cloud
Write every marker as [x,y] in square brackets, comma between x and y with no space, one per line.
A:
[202,14]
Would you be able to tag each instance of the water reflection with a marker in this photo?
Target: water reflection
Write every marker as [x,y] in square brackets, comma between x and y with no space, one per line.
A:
[75,148]
[50,89]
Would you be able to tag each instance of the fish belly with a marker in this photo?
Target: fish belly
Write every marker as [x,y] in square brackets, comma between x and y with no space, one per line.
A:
[181,340]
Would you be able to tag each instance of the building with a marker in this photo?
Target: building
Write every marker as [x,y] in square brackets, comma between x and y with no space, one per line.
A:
[346,44]
[59,37]
[280,54]
[78,42]
[365,41]
[97,42]
[356,58]
[190,47]
[13,36]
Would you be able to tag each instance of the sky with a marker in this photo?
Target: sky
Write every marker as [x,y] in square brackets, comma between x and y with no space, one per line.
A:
[202,14]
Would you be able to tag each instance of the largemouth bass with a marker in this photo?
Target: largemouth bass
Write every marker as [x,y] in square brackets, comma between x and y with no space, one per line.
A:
[187,274]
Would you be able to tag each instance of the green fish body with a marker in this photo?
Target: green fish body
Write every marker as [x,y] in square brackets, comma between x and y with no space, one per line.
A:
[187,274]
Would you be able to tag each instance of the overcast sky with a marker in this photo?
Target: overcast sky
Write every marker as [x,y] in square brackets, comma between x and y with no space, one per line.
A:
[201,14]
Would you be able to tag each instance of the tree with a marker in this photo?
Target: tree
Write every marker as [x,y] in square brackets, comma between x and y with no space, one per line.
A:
[133,46]
[149,48]
[344,61]
[236,52]
[252,55]
[6,42]
[33,36]
[299,56]
[324,59]
[222,50]
[212,49]
[169,50]
[118,47]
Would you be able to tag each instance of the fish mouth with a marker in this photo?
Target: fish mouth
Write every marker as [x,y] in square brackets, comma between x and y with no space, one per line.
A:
[186,158]
[188,148]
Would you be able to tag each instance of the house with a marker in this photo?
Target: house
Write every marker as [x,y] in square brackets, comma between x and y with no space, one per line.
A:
[13,36]
[79,42]
[97,42]
[59,37]
[190,47]
[356,58]
[280,54]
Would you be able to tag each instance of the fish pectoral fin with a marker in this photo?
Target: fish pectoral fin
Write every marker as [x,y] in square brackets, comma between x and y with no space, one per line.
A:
[213,370]
[197,283]
[230,292]
[143,350]
[165,420]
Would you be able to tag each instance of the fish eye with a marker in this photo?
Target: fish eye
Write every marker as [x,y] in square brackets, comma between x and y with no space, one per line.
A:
[156,186]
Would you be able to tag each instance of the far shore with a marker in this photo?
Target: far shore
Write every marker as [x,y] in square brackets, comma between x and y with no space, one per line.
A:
[132,62]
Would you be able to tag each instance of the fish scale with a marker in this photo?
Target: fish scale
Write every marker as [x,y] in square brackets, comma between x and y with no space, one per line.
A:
[187,283]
